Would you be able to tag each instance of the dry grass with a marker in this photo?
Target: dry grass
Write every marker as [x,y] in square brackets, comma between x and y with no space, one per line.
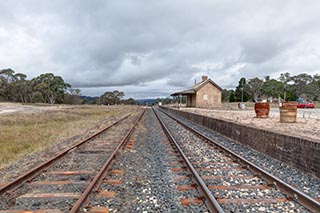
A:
[24,133]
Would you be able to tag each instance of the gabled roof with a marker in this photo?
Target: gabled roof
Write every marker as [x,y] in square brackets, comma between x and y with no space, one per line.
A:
[196,88]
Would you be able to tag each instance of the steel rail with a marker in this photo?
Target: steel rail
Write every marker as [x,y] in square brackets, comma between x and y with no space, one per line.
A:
[209,200]
[302,198]
[33,172]
[100,175]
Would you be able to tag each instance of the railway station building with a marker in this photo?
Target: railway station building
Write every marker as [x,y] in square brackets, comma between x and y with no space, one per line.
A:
[205,94]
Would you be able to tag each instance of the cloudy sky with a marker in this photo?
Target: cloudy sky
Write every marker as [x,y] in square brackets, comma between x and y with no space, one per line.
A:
[152,48]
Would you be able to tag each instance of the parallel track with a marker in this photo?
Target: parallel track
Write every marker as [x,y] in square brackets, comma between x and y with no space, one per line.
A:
[100,175]
[96,148]
[29,177]
[291,192]
[33,172]
[208,198]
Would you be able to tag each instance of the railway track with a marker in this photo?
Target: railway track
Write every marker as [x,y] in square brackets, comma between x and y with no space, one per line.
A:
[207,197]
[174,170]
[64,182]
[132,185]
[236,184]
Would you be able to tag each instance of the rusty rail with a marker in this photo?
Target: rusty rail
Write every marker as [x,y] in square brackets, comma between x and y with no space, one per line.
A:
[32,173]
[209,200]
[84,196]
[302,198]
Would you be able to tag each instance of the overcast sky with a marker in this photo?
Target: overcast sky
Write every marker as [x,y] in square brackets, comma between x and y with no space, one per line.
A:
[152,48]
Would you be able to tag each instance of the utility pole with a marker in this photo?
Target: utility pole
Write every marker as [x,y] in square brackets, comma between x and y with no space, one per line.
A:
[241,105]
[241,91]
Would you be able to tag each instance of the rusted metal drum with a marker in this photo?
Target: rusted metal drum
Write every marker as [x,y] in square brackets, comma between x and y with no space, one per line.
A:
[262,110]
[288,112]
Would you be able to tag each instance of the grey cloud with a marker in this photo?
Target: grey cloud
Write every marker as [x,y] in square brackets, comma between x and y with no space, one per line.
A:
[97,45]
[261,49]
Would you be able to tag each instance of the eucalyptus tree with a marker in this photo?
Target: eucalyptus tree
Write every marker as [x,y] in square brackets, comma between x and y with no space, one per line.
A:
[7,77]
[111,98]
[72,96]
[272,88]
[254,88]
[285,79]
[305,86]
[241,93]
[22,88]
[51,87]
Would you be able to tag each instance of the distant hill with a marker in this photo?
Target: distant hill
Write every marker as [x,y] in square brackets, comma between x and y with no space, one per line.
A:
[146,101]
[89,98]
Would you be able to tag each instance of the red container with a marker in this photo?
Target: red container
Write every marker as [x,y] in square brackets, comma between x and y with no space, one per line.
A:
[262,109]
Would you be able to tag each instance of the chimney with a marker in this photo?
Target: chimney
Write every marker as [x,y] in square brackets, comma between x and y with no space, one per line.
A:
[204,78]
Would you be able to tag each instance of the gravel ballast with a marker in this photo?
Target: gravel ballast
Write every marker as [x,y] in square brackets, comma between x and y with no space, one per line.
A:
[147,184]
[148,175]
[200,151]
[305,182]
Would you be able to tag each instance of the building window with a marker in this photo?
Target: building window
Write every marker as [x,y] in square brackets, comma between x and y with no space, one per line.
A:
[205,97]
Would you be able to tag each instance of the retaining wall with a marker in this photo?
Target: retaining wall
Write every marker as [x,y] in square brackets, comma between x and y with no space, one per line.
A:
[300,153]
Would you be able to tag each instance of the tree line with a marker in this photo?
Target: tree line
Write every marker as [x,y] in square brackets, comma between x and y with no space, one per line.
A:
[285,88]
[51,89]
[115,97]
[45,88]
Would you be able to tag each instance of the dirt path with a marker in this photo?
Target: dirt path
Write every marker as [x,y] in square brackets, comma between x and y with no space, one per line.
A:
[8,108]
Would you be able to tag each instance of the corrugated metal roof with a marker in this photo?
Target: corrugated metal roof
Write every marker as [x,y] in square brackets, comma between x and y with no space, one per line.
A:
[196,88]
[185,92]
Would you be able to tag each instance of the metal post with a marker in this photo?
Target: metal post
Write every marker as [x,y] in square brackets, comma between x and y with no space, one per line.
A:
[241,91]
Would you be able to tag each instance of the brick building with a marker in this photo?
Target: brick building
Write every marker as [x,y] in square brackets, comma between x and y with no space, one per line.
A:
[206,94]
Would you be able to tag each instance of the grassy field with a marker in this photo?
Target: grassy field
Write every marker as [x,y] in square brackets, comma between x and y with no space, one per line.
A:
[23,133]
